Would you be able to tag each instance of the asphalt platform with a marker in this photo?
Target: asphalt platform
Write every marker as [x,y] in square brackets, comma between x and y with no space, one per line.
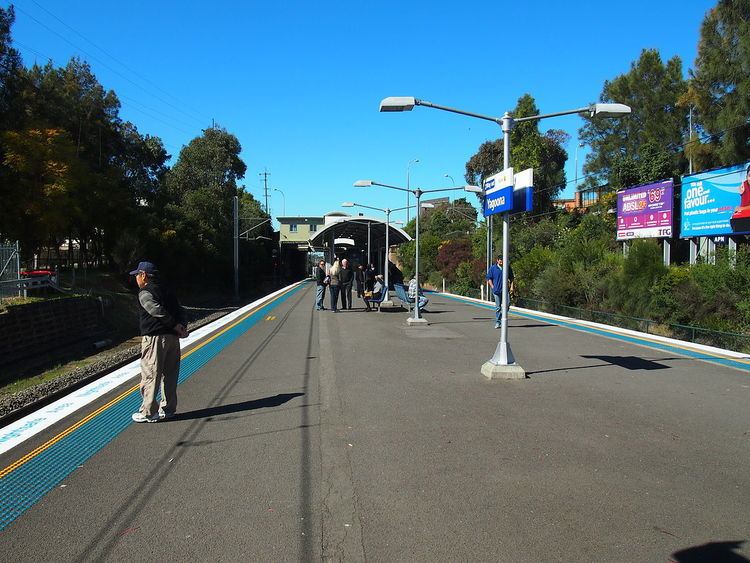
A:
[351,436]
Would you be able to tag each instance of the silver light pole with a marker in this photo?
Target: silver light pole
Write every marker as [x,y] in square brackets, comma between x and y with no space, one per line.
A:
[408,202]
[236,248]
[283,199]
[501,365]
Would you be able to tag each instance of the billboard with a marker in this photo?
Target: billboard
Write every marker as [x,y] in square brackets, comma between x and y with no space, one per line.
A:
[645,211]
[716,202]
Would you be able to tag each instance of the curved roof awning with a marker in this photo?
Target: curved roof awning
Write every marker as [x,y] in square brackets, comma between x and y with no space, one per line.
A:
[356,228]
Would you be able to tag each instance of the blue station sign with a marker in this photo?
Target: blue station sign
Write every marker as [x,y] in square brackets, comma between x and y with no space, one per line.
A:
[498,193]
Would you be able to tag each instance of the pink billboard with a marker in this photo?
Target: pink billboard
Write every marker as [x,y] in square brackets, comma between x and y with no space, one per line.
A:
[645,211]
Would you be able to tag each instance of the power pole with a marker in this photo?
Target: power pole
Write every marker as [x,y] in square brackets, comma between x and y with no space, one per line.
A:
[265,175]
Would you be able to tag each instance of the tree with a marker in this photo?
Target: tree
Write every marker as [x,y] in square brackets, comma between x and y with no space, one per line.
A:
[528,149]
[653,164]
[720,84]
[11,73]
[652,89]
[42,174]
[201,186]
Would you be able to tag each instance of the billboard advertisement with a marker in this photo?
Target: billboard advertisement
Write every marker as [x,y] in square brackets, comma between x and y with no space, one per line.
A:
[645,211]
[716,202]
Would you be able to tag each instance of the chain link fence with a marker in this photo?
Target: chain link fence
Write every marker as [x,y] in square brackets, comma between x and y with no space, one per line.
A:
[726,340]
[10,271]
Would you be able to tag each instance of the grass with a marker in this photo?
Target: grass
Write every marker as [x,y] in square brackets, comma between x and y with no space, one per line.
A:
[25,381]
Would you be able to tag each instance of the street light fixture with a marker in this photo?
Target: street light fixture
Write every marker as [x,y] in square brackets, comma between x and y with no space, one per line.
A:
[418,195]
[503,364]
[283,199]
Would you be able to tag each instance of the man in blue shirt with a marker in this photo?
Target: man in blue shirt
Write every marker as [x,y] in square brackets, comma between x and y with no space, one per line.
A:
[495,277]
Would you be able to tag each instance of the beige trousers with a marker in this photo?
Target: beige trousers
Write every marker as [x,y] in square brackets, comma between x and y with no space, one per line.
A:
[160,366]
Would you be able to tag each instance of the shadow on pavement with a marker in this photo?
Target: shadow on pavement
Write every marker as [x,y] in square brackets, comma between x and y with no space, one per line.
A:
[716,552]
[209,412]
[628,362]
[631,362]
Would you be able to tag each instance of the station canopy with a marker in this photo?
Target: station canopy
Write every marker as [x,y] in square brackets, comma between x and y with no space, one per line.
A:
[355,229]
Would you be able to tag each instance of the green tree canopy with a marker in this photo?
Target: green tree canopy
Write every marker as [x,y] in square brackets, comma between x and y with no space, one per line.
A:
[202,185]
[720,85]
[652,89]
[528,149]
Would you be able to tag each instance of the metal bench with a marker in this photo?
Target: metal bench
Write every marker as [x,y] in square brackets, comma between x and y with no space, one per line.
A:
[378,300]
[403,294]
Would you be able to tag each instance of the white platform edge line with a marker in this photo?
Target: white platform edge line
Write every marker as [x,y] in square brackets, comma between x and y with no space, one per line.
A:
[21,430]
[731,354]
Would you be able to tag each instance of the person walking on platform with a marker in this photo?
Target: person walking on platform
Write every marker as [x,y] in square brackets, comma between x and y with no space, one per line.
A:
[162,324]
[495,278]
[346,278]
[320,282]
[333,274]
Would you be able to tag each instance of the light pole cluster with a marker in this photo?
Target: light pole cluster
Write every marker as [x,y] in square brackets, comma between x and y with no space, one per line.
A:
[417,319]
[387,300]
[502,364]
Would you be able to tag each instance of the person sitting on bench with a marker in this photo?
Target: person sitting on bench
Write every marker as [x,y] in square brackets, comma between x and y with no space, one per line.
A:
[377,293]
[413,291]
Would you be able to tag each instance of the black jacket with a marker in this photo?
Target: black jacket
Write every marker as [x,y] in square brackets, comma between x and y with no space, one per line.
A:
[346,276]
[160,310]
[320,276]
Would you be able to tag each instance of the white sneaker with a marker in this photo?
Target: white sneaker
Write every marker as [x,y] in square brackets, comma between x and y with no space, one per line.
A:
[140,417]
[165,416]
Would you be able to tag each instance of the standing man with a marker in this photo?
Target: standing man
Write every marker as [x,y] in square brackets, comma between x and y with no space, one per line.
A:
[163,323]
[495,277]
[320,281]
[346,278]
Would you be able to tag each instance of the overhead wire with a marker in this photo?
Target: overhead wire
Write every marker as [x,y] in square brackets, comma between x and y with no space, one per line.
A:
[131,104]
[104,64]
[79,34]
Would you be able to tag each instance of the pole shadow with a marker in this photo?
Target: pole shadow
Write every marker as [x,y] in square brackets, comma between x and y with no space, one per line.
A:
[716,552]
[209,412]
[630,362]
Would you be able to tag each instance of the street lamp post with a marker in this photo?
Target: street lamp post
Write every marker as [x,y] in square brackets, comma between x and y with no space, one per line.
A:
[408,187]
[503,364]
[416,320]
[283,199]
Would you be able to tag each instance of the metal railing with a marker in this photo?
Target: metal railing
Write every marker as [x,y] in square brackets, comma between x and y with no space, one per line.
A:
[9,270]
[727,340]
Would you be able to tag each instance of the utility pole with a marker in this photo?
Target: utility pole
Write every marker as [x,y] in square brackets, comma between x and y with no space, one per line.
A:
[265,175]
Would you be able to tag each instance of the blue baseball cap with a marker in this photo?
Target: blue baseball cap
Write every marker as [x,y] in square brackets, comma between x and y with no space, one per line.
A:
[148,267]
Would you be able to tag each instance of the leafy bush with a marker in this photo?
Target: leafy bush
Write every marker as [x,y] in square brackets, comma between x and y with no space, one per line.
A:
[450,255]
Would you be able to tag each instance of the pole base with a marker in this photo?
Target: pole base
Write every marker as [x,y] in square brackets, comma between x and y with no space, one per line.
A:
[500,371]
[421,321]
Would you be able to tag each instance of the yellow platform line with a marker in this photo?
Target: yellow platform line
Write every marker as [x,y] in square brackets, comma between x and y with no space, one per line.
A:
[32,454]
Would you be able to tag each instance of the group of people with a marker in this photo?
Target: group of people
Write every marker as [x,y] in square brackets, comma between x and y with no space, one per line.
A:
[163,321]
[340,279]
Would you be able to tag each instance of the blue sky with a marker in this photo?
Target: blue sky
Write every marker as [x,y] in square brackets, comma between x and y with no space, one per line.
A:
[299,83]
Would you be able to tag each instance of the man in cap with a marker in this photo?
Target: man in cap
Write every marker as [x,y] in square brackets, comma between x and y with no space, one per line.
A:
[162,323]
